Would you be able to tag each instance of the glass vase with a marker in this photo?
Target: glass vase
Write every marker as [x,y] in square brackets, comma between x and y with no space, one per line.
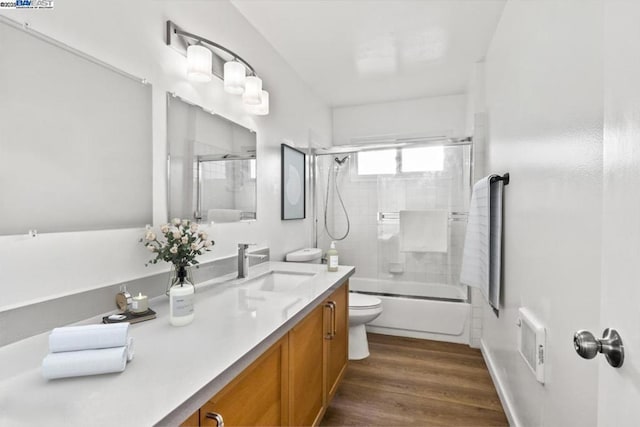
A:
[181,298]
[174,278]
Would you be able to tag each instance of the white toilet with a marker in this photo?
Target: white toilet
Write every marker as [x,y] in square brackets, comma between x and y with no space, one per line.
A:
[362,308]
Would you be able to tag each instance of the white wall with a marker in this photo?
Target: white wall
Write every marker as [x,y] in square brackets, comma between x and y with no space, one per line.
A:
[130,36]
[442,115]
[545,103]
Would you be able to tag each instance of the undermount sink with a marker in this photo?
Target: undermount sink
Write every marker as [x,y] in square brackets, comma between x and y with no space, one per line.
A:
[279,281]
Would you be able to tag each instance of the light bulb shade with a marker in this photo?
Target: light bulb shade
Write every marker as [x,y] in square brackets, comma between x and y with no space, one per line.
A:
[252,90]
[261,109]
[199,60]
[234,77]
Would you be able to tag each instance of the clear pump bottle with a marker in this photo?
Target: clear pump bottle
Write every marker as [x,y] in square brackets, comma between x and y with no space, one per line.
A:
[332,258]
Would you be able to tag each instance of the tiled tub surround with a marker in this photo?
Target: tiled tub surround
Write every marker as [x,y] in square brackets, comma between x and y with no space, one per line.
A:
[31,319]
[176,369]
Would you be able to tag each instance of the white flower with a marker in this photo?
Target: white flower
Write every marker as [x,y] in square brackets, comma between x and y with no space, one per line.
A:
[151,248]
[203,235]
[164,228]
[207,243]
[194,228]
[174,249]
[185,222]
[150,235]
[194,247]
[184,239]
[176,233]
[176,221]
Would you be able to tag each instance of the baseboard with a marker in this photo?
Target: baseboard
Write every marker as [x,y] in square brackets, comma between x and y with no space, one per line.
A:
[507,405]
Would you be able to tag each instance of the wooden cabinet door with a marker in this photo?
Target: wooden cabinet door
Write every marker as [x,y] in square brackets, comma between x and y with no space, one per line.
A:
[192,421]
[306,370]
[258,396]
[337,343]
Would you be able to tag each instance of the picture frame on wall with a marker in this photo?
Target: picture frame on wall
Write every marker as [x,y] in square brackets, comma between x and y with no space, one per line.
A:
[293,194]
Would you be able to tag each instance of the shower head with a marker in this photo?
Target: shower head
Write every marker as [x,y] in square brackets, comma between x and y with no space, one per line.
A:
[341,161]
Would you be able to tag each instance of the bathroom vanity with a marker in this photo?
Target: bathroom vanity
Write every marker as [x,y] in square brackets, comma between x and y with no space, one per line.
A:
[266,350]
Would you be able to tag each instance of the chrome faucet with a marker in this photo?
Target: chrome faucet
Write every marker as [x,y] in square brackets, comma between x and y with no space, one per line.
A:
[243,259]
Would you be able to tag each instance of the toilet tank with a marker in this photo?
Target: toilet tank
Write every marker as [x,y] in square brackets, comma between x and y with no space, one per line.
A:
[308,255]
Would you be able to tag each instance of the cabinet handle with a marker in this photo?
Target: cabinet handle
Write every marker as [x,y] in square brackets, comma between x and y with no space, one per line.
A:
[332,308]
[332,304]
[217,417]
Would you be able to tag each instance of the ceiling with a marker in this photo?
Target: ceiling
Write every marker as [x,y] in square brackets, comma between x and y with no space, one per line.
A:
[354,52]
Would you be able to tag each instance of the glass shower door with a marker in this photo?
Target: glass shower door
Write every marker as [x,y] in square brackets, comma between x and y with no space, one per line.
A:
[421,218]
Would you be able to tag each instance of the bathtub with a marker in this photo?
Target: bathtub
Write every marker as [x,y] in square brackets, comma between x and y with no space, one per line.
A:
[419,310]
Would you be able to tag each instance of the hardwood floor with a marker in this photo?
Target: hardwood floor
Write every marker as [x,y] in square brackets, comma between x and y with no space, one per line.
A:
[410,382]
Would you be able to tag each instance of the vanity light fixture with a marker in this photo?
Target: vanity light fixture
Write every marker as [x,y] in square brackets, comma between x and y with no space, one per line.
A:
[252,91]
[238,75]
[235,75]
[261,109]
[199,60]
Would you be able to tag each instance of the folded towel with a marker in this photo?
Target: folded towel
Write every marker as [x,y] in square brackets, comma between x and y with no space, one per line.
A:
[88,337]
[130,351]
[224,215]
[85,362]
[424,231]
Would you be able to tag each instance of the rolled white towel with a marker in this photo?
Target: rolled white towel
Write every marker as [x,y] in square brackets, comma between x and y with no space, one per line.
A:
[85,362]
[130,351]
[87,337]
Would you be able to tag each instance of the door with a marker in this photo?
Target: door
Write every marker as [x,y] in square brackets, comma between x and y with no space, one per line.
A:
[306,369]
[336,342]
[619,390]
[258,396]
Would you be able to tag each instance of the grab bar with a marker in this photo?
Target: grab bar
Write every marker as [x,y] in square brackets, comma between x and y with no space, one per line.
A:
[390,216]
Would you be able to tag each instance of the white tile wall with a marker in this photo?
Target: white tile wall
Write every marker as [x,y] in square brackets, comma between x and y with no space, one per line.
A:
[372,246]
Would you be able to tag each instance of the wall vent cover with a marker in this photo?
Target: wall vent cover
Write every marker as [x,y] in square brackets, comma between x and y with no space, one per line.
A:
[532,342]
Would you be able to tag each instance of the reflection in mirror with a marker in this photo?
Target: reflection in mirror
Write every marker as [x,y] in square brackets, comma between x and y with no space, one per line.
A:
[212,165]
[75,139]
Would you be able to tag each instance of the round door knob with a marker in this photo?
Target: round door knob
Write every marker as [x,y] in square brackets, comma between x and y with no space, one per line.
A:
[586,344]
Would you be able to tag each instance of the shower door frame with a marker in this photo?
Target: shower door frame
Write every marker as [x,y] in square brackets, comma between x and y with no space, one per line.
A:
[390,143]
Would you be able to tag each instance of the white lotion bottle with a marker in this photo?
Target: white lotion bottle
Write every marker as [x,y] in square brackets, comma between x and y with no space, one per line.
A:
[181,304]
[332,258]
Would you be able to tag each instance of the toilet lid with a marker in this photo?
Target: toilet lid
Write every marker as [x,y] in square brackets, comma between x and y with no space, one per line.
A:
[358,301]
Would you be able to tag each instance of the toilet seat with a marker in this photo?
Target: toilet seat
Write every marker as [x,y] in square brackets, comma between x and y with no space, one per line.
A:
[363,302]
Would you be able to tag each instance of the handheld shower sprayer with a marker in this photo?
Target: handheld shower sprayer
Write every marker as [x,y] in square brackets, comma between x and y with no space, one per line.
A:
[335,171]
[340,162]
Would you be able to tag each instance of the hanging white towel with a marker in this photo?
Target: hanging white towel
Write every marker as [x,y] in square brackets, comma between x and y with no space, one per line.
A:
[224,215]
[424,231]
[481,257]
[475,256]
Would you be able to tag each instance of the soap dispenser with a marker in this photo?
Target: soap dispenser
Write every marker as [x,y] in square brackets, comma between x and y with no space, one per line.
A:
[332,258]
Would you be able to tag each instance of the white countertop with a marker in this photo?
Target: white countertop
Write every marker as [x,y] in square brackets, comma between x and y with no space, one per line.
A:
[175,369]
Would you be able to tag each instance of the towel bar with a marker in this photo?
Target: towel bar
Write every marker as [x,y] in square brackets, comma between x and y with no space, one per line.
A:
[453,216]
[504,178]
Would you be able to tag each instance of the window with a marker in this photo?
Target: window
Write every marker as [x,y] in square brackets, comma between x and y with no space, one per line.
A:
[401,160]
[252,168]
[422,159]
[378,162]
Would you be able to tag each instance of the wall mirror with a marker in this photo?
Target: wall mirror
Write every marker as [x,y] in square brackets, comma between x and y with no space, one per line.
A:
[212,165]
[75,139]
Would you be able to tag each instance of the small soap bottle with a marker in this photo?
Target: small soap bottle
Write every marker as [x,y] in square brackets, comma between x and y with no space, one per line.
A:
[332,258]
